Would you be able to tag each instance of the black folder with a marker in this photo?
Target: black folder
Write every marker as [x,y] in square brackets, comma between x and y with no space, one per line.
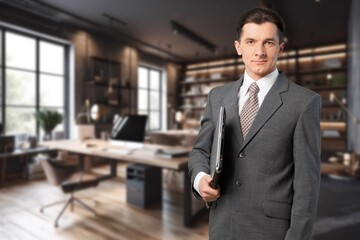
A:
[217,150]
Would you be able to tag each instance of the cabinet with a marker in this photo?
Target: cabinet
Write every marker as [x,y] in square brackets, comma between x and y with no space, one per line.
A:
[106,89]
[143,185]
[322,69]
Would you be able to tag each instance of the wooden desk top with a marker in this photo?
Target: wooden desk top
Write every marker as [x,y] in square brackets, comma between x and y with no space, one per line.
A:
[101,148]
[339,171]
[20,152]
[180,132]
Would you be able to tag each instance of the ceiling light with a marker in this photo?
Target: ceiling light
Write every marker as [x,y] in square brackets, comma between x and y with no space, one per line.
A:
[112,18]
[177,28]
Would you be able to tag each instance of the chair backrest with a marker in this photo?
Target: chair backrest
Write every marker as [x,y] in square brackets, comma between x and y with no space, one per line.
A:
[55,173]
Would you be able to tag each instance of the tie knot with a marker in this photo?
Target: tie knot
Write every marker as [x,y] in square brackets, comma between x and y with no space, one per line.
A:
[254,88]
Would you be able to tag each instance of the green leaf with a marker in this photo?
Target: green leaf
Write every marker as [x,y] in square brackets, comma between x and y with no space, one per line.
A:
[48,120]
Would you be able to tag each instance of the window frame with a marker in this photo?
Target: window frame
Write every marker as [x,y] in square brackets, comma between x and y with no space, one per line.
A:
[149,90]
[66,77]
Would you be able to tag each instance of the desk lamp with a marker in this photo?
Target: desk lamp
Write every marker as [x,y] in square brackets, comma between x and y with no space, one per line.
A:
[85,112]
[84,129]
[179,117]
[356,122]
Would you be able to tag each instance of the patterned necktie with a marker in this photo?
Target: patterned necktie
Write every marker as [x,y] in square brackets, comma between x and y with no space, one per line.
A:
[249,109]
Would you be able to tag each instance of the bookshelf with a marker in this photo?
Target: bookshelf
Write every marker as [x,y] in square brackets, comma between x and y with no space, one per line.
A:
[322,69]
[106,89]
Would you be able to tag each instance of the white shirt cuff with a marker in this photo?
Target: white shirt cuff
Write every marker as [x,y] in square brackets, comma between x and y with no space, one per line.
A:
[197,181]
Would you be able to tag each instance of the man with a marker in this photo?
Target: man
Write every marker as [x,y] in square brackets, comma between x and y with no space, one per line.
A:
[269,185]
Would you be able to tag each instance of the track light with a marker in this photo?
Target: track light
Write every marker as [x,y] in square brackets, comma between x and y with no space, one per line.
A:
[177,28]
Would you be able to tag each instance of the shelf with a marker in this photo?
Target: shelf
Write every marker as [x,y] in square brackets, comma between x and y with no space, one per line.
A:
[194,95]
[106,104]
[193,108]
[322,71]
[106,84]
[331,105]
[326,88]
[202,81]
[327,125]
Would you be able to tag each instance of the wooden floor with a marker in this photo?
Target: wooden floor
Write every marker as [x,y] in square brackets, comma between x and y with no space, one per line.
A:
[20,217]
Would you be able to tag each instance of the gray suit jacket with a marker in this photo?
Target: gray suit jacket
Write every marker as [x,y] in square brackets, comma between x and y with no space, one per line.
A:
[270,180]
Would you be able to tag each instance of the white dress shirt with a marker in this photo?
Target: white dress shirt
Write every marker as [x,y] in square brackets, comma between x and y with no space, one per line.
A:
[264,84]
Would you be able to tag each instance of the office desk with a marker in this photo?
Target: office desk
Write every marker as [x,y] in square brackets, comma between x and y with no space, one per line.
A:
[23,154]
[100,148]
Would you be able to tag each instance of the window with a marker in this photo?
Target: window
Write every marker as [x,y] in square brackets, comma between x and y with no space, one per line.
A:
[34,79]
[150,92]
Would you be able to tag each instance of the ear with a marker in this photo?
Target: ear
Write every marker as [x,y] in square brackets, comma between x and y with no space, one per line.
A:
[237,47]
[282,46]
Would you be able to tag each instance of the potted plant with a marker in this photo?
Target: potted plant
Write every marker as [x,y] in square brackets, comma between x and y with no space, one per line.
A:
[48,120]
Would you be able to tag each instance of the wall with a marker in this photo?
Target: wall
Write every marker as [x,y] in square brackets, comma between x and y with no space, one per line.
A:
[84,44]
[354,71]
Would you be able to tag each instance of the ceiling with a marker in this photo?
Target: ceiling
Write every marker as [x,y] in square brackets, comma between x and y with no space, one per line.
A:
[146,24]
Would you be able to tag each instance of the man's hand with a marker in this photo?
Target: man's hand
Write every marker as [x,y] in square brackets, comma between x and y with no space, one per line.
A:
[208,193]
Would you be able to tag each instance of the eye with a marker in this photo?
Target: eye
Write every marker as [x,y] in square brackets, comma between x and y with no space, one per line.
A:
[250,42]
[269,43]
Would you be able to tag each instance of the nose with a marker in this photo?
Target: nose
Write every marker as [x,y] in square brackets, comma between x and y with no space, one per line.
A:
[260,50]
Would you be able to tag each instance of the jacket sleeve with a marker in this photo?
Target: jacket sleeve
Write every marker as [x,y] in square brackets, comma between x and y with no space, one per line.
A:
[306,183]
[199,157]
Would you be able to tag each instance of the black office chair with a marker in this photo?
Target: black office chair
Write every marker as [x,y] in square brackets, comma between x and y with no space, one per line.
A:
[67,176]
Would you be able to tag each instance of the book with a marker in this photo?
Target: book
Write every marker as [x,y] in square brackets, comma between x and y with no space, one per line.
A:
[216,158]
[171,153]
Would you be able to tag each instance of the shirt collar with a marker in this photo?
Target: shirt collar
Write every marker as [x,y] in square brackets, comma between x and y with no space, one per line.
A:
[264,83]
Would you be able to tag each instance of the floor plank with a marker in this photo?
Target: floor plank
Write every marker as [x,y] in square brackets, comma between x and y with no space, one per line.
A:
[21,219]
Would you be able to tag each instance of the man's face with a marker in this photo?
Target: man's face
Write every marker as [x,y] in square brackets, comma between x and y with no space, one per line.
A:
[260,48]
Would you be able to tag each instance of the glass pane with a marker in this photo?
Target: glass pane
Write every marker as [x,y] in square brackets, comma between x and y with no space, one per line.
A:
[142,78]
[142,99]
[51,91]
[20,120]
[51,58]
[1,93]
[1,97]
[20,51]
[154,100]
[154,120]
[1,54]
[20,88]
[154,80]
[144,112]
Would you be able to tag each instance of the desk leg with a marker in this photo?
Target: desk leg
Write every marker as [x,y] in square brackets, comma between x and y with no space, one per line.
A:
[81,162]
[187,200]
[113,168]
[2,171]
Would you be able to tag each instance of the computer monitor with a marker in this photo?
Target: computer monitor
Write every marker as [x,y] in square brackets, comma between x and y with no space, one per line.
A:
[129,130]
[7,143]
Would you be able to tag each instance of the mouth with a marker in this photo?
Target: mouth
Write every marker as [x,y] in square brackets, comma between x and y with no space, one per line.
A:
[259,62]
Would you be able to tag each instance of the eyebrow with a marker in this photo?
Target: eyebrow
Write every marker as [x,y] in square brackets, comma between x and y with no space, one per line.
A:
[266,39]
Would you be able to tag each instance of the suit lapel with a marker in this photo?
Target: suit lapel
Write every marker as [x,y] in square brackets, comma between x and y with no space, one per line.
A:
[232,111]
[270,105]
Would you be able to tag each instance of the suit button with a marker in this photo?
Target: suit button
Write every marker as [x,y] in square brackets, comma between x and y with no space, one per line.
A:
[238,182]
[242,155]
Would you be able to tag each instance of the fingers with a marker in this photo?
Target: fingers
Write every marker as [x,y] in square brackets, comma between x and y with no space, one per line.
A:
[208,193]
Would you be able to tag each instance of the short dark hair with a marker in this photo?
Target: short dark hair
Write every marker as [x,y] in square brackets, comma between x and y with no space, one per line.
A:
[259,16]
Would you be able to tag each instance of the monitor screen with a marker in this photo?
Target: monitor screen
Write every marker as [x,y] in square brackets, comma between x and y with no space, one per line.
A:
[129,128]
